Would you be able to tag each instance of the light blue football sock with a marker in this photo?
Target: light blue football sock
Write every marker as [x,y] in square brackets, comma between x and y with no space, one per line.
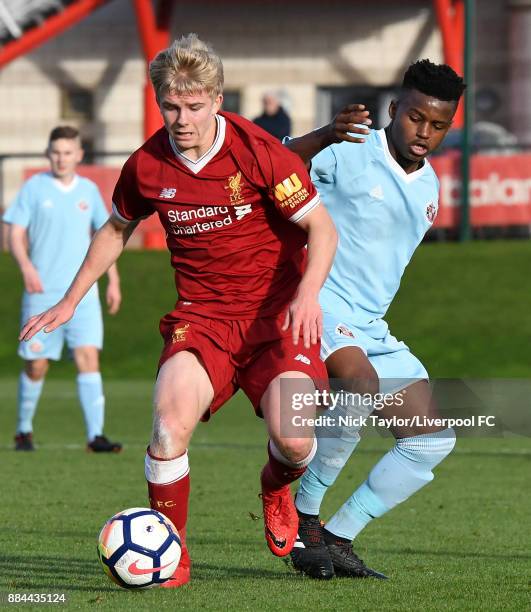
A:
[405,469]
[335,445]
[331,456]
[90,392]
[29,392]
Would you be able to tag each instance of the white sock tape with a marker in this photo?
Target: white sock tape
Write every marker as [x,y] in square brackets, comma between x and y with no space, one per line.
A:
[166,472]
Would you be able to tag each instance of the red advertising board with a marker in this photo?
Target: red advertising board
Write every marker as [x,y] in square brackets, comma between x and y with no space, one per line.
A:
[150,231]
[500,192]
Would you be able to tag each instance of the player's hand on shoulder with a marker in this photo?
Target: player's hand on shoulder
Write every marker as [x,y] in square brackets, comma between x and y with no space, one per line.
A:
[305,317]
[32,280]
[347,122]
[49,320]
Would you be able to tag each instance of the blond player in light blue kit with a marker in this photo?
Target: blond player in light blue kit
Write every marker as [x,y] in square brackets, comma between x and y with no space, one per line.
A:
[383,196]
[51,223]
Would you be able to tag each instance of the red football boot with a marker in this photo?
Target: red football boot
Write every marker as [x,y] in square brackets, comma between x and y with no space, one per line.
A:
[281,521]
[182,573]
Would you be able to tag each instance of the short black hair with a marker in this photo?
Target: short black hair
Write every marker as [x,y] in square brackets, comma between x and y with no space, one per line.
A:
[63,131]
[435,80]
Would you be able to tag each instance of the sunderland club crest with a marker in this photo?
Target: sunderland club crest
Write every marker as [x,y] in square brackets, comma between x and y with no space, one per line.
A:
[431,212]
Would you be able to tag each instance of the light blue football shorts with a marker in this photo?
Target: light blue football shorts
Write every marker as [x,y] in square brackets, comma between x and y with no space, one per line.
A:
[85,328]
[394,363]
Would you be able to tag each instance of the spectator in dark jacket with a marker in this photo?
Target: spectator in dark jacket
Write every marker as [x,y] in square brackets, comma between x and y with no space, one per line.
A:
[274,118]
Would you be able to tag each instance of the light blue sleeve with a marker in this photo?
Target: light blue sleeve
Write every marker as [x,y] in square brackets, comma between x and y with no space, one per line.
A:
[100,214]
[324,166]
[20,210]
[437,182]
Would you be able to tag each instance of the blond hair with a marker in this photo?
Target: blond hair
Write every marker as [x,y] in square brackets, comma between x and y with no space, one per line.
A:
[186,67]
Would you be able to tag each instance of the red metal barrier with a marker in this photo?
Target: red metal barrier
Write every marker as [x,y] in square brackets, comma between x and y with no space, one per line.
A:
[451,19]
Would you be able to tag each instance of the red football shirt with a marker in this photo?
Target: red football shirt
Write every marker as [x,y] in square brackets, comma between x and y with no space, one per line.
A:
[229,217]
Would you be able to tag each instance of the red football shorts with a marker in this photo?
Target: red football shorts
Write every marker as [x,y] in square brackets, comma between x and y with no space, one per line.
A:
[246,354]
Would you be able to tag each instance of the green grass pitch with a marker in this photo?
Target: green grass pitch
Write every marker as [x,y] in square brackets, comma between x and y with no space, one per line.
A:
[459,544]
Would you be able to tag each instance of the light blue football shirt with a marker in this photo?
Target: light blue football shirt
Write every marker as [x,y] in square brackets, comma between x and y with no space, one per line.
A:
[59,221]
[381,214]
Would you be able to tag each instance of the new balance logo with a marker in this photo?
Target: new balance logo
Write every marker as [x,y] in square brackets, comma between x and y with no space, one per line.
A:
[377,192]
[241,211]
[303,358]
[168,193]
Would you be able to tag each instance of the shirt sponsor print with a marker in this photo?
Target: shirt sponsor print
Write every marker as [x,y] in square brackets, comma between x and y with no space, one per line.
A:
[290,192]
[201,217]
[224,215]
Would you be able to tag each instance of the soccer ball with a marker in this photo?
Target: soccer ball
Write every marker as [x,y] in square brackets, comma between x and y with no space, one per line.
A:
[139,548]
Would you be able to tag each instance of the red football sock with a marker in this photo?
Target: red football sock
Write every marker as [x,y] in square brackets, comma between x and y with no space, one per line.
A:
[276,475]
[171,499]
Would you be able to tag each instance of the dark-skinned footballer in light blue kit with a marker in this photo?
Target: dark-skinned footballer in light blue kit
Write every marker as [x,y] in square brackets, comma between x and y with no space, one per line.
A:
[382,194]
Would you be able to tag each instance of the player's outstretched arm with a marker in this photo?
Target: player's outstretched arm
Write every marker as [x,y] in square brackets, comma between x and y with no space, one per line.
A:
[105,248]
[341,128]
[304,313]
[18,245]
